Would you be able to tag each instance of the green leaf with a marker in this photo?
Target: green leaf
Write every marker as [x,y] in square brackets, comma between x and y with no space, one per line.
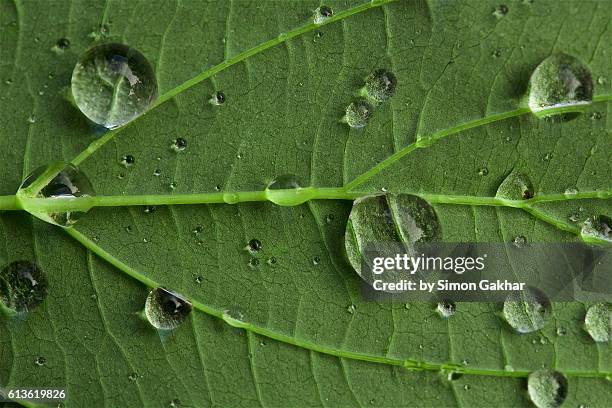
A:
[292,329]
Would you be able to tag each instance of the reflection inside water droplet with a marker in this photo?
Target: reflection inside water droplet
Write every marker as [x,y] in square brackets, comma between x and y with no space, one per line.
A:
[547,389]
[23,286]
[166,310]
[598,322]
[528,310]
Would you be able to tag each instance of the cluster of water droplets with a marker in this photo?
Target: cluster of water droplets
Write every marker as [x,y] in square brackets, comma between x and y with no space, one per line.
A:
[379,87]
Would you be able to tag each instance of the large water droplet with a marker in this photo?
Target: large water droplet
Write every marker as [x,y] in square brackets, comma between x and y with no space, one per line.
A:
[23,286]
[285,190]
[560,81]
[112,84]
[404,219]
[598,227]
[598,322]
[166,310]
[58,181]
[547,389]
[380,85]
[517,186]
[358,113]
[528,310]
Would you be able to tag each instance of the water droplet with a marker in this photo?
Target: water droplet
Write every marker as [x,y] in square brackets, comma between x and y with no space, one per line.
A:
[198,230]
[127,160]
[59,181]
[175,403]
[41,361]
[285,190]
[483,171]
[23,286]
[598,322]
[547,157]
[166,310]
[598,227]
[547,389]
[254,245]
[500,11]
[199,279]
[519,241]
[133,376]
[561,331]
[403,218]
[596,115]
[271,261]
[570,191]
[63,43]
[157,172]
[218,98]
[351,308]
[497,53]
[453,376]
[150,209]
[517,186]
[322,13]
[329,218]
[446,308]
[380,85]
[316,260]
[113,84]
[358,113]
[178,145]
[31,119]
[253,263]
[528,310]
[173,185]
[560,81]
[466,387]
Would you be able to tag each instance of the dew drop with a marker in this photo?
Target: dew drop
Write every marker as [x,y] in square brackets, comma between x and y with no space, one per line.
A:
[113,84]
[178,145]
[380,85]
[528,310]
[199,279]
[483,171]
[561,331]
[403,219]
[596,115]
[218,98]
[560,81]
[453,376]
[329,218]
[519,241]
[58,181]
[157,172]
[166,310]
[285,190]
[322,13]
[175,403]
[23,286]
[133,376]
[500,11]
[150,209]
[547,388]
[571,191]
[271,261]
[316,260]
[598,227]
[358,113]
[254,245]
[516,186]
[31,119]
[446,308]
[351,308]
[172,185]
[41,361]
[127,160]
[598,322]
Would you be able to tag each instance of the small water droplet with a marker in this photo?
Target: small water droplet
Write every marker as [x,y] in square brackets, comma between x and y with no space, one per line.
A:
[113,84]
[560,81]
[285,190]
[519,241]
[453,376]
[218,98]
[322,13]
[271,261]
[316,260]
[351,308]
[446,308]
[41,361]
[150,209]
[23,286]
[404,219]
[59,181]
[570,191]
[596,115]
[166,310]
[172,185]
[254,245]
[500,11]
[31,119]
[466,387]
[497,53]
[329,218]
[380,85]
[528,310]
[597,227]
[516,186]
[133,376]
[561,331]
[547,389]
[157,172]
[358,113]
[198,230]
[128,160]
[483,171]
[598,322]
[178,145]
[175,403]
[253,262]
[199,279]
